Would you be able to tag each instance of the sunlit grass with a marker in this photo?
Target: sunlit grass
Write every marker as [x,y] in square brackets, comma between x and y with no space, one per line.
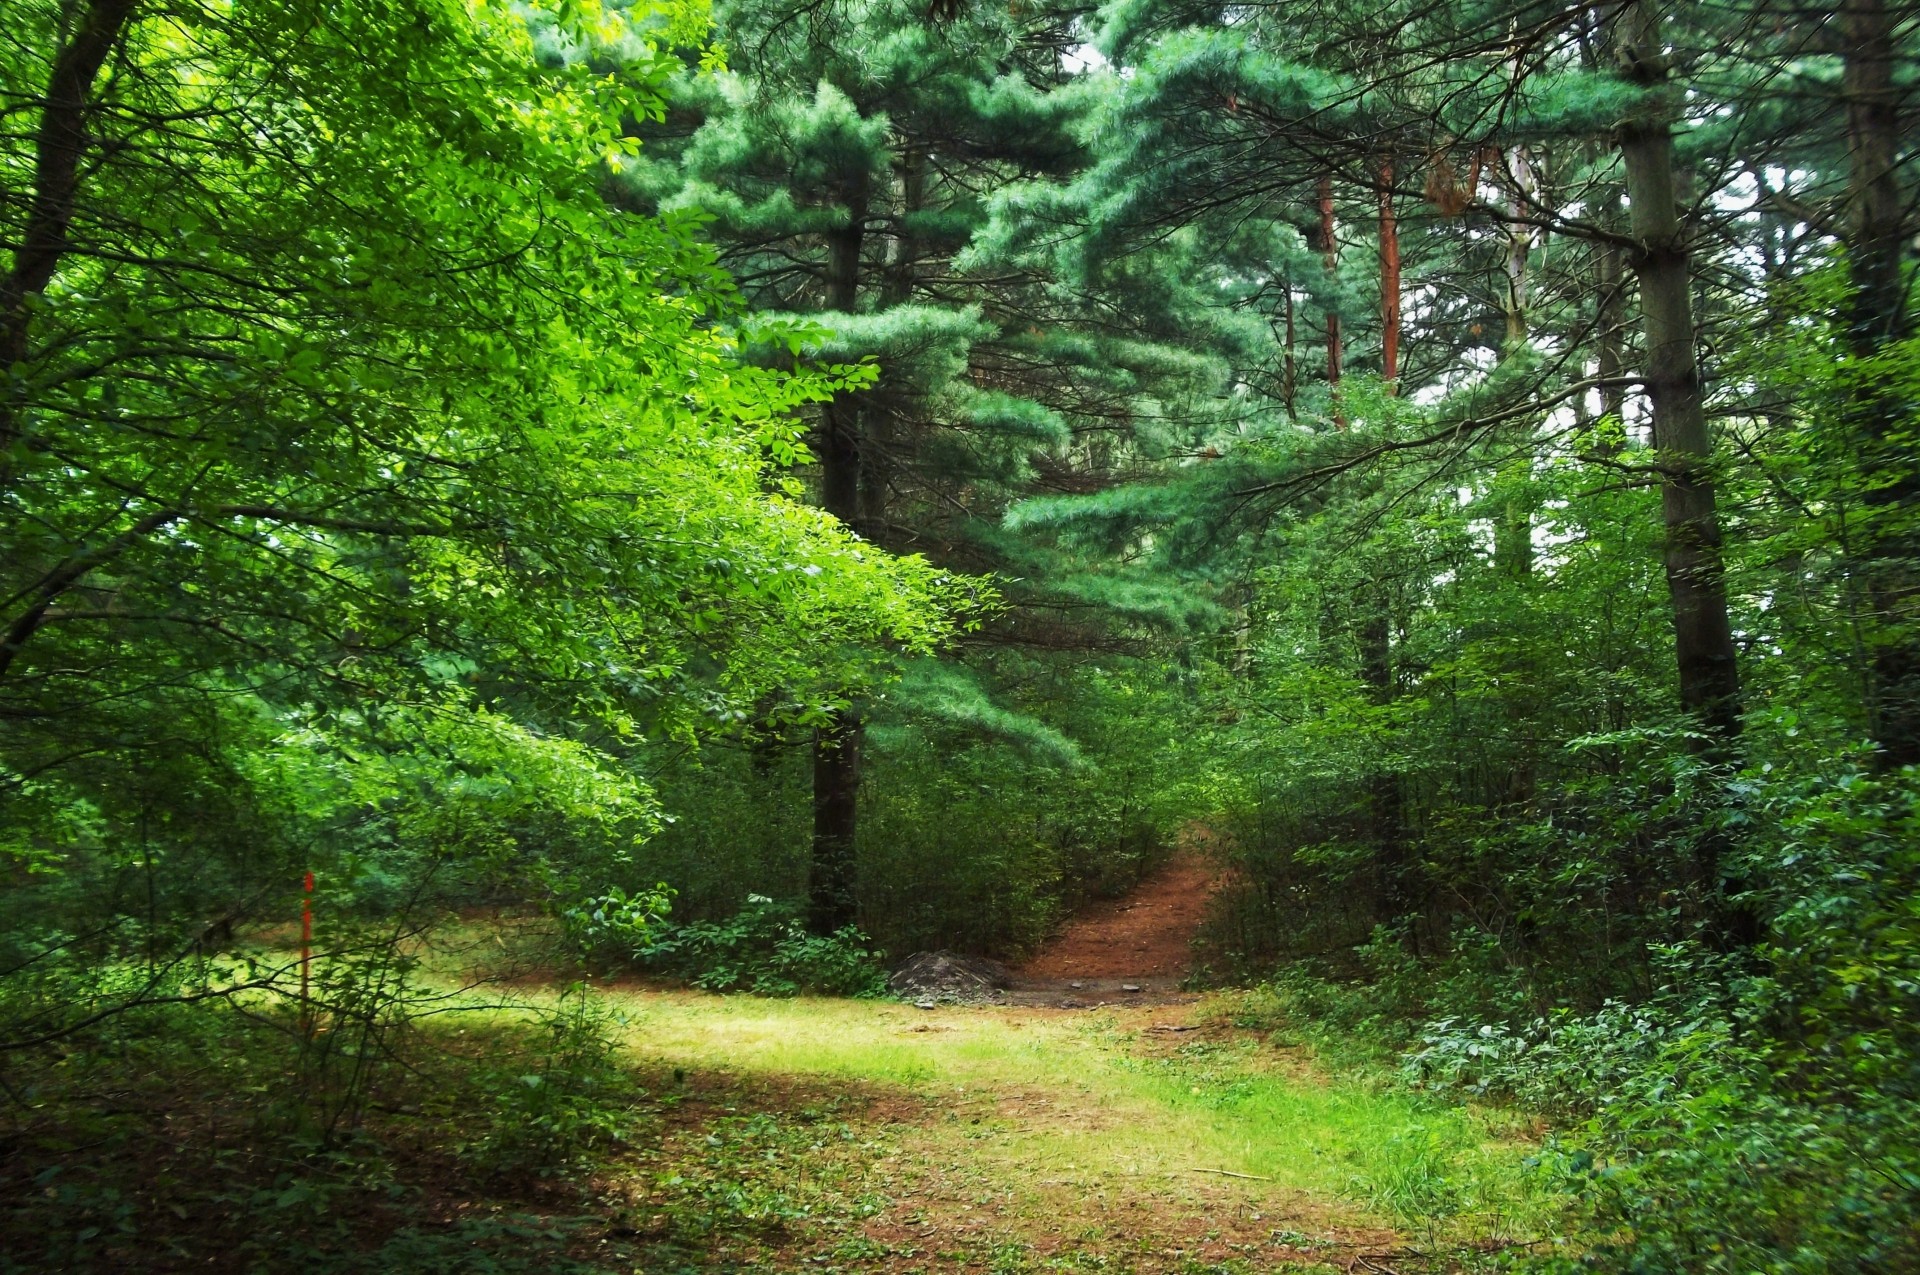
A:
[1045,1098]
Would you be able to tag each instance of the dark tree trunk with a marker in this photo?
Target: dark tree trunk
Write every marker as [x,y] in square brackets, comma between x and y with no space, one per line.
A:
[1513,518]
[1513,523]
[1610,286]
[1389,282]
[836,745]
[897,286]
[1290,369]
[1882,418]
[1611,320]
[1696,579]
[1519,246]
[831,899]
[58,147]
[1709,671]
[1398,897]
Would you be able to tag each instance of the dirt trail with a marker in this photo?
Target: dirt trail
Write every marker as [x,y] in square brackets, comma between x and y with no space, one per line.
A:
[1137,945]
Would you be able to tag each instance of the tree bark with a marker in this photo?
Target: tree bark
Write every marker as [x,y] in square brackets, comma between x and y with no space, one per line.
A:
[1519,246]
[831,902]
[1709,670]
[1611,320]
[1389,282]
[1397,897]
[898,281]
[58,146]
[1882,420]
[1290,369]
[1709,673]
[1513,524]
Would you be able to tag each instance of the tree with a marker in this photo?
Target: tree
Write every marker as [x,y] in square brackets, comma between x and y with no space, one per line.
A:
[343,416]
[842,162]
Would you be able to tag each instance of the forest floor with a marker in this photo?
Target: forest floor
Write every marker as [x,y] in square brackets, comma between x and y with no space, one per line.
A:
[1161,1131]
[1075,1126]
[872,1136]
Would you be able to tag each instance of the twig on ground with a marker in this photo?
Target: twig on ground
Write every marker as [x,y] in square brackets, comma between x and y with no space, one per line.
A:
[1229,1173]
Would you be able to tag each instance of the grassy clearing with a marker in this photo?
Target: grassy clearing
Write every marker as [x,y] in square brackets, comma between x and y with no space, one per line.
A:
[665,1132]
[1053,1127]
[1102,1093]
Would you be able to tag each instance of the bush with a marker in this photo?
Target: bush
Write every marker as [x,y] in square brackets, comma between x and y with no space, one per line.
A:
[553,1113]
[616,923]
[764,949]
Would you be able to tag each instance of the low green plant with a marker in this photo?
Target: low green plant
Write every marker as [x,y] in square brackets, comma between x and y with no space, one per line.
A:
[1415,1178]
[616,921]
[553,1114]
[764,949]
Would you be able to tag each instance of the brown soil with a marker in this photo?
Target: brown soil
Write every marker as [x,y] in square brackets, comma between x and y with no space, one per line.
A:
[1142,941]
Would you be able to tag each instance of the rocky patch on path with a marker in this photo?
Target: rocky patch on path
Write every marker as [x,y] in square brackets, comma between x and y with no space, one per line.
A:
[935,977]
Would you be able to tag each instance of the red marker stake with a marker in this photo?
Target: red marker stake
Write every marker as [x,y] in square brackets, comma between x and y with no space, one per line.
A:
[306,955]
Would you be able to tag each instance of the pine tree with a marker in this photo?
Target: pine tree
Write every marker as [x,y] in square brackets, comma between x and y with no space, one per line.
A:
[842,163]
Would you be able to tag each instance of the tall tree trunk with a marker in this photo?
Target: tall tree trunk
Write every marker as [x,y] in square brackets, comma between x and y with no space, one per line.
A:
[1389,282]
[1709,671]
[1882,419]
[1513,522]
[1610,322]
[1696,578]
[896,288]
[831,902]
[1398,898]
[1610,315]
[59,145]
[1330,246]
[1513,517]
[1519,245]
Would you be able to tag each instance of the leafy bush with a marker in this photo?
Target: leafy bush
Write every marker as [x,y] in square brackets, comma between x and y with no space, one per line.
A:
[617,921]
[764,949]
[551,1115]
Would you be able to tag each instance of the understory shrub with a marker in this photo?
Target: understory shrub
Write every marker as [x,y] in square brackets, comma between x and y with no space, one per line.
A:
[614,923]
[764,949]
[1754,1111]
[964,843]
[555,1108]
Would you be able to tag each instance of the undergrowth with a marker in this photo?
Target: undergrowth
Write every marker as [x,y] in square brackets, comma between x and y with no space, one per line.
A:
[209,1137]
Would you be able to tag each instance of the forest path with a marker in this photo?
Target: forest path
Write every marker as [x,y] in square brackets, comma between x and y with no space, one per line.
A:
[1144,937]
[873,1136]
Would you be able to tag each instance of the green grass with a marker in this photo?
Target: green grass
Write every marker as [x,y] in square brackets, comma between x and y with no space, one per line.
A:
[1042,1098]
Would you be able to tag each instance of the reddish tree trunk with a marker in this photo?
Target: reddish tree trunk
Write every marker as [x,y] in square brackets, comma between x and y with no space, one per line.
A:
[1389,282]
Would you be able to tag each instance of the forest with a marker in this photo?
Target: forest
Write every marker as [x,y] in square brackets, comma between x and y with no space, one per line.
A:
[548,546]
